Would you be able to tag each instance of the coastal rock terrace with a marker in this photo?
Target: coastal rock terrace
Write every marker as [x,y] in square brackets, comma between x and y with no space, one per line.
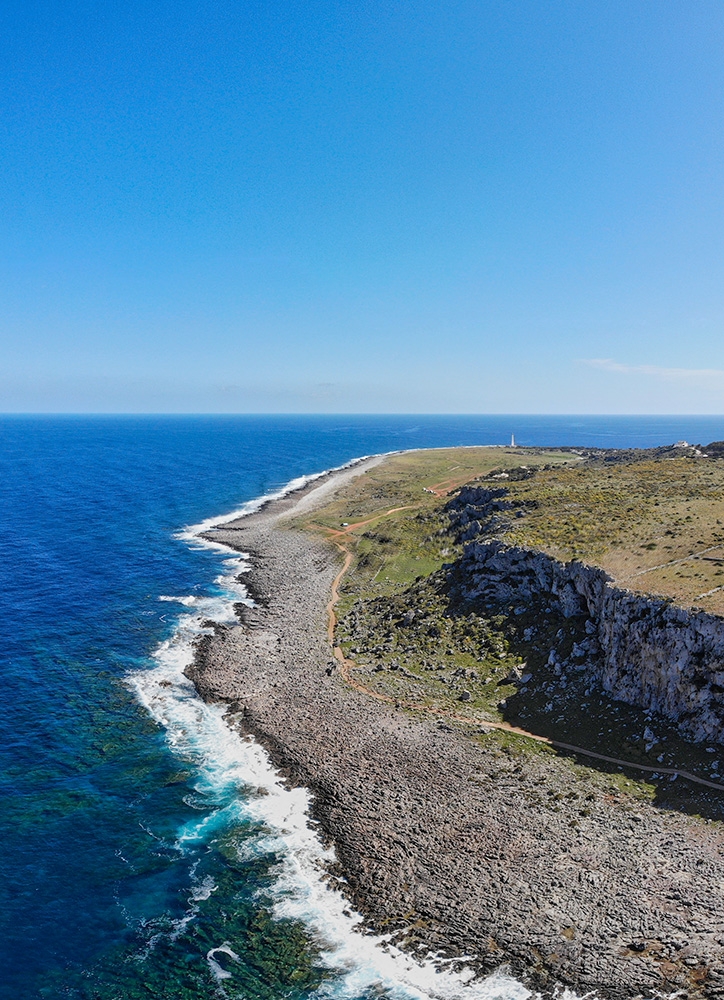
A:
[487,795]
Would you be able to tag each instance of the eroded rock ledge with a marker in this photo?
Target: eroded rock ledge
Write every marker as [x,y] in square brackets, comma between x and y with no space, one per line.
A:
[642,650]
[451,843]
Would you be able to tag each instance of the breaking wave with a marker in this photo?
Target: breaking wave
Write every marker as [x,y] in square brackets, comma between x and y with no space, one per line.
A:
[234,775]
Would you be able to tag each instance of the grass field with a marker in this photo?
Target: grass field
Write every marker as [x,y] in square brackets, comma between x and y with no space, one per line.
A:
[654,525]
[393,549]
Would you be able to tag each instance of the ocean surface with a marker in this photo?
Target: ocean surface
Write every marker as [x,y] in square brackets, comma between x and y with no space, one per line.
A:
[145,850]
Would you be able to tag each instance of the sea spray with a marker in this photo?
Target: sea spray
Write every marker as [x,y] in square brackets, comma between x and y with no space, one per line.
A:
[192,533]
[93,799]
[238,785]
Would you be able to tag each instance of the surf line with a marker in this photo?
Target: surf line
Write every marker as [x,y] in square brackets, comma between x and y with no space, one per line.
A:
[346,666]
[358,963]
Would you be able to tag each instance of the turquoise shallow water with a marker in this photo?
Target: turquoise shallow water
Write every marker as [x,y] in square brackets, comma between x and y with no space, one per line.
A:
[137,857]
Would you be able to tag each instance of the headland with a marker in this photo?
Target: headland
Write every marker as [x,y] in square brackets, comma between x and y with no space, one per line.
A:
[467,652]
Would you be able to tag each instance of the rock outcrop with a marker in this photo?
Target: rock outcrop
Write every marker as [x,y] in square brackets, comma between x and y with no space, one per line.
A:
[642,650]
[456,845]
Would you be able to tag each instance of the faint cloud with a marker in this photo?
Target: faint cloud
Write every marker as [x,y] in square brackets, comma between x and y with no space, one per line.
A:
[656,371]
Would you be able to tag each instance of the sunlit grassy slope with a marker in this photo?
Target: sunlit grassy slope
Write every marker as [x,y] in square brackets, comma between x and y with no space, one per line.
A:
[392,549]
[655,524]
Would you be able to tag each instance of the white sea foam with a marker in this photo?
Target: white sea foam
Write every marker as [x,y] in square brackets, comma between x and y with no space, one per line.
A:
[217,971]
[203,890]
[237,783]
[192,532]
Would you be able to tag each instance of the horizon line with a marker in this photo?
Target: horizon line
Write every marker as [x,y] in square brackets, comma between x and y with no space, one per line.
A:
[357,413]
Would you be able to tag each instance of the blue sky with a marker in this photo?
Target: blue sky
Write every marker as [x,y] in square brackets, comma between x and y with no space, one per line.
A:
[505,206]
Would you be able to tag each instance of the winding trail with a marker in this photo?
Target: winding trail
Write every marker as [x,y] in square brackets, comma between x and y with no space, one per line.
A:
[701,554]
[336,533]
[346,667]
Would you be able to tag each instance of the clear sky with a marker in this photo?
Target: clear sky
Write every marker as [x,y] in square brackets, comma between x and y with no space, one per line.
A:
[492,206]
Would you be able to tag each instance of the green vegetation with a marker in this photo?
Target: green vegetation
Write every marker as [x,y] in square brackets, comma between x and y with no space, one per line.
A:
[392,549]
[410,637]
[655,526]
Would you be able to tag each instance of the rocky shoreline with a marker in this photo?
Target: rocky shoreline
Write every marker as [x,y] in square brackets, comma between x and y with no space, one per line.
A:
[448,841]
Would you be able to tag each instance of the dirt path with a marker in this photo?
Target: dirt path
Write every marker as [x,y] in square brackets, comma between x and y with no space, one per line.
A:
[446,842]
[335,533]
[346,667]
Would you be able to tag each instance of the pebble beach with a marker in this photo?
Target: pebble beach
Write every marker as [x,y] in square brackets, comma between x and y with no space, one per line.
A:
[453,847]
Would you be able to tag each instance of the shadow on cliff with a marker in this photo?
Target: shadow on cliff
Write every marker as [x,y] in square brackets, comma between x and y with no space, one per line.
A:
[549,691]
[542,608]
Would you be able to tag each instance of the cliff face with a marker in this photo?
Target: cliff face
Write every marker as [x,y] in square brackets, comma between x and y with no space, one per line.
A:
[642,650]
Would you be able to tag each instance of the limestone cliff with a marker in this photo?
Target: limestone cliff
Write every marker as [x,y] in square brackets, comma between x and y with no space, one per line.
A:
[642,650]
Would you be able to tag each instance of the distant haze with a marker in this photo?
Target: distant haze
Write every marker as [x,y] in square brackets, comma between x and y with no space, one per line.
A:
[349,207]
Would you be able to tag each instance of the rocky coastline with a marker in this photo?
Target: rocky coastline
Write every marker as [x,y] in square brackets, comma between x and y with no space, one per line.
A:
[448,842]
[642,650]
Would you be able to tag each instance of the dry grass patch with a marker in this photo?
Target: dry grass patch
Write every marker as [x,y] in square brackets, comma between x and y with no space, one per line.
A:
[656,526]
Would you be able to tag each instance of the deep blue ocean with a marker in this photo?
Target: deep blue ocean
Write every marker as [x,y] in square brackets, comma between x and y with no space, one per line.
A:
[145,851]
